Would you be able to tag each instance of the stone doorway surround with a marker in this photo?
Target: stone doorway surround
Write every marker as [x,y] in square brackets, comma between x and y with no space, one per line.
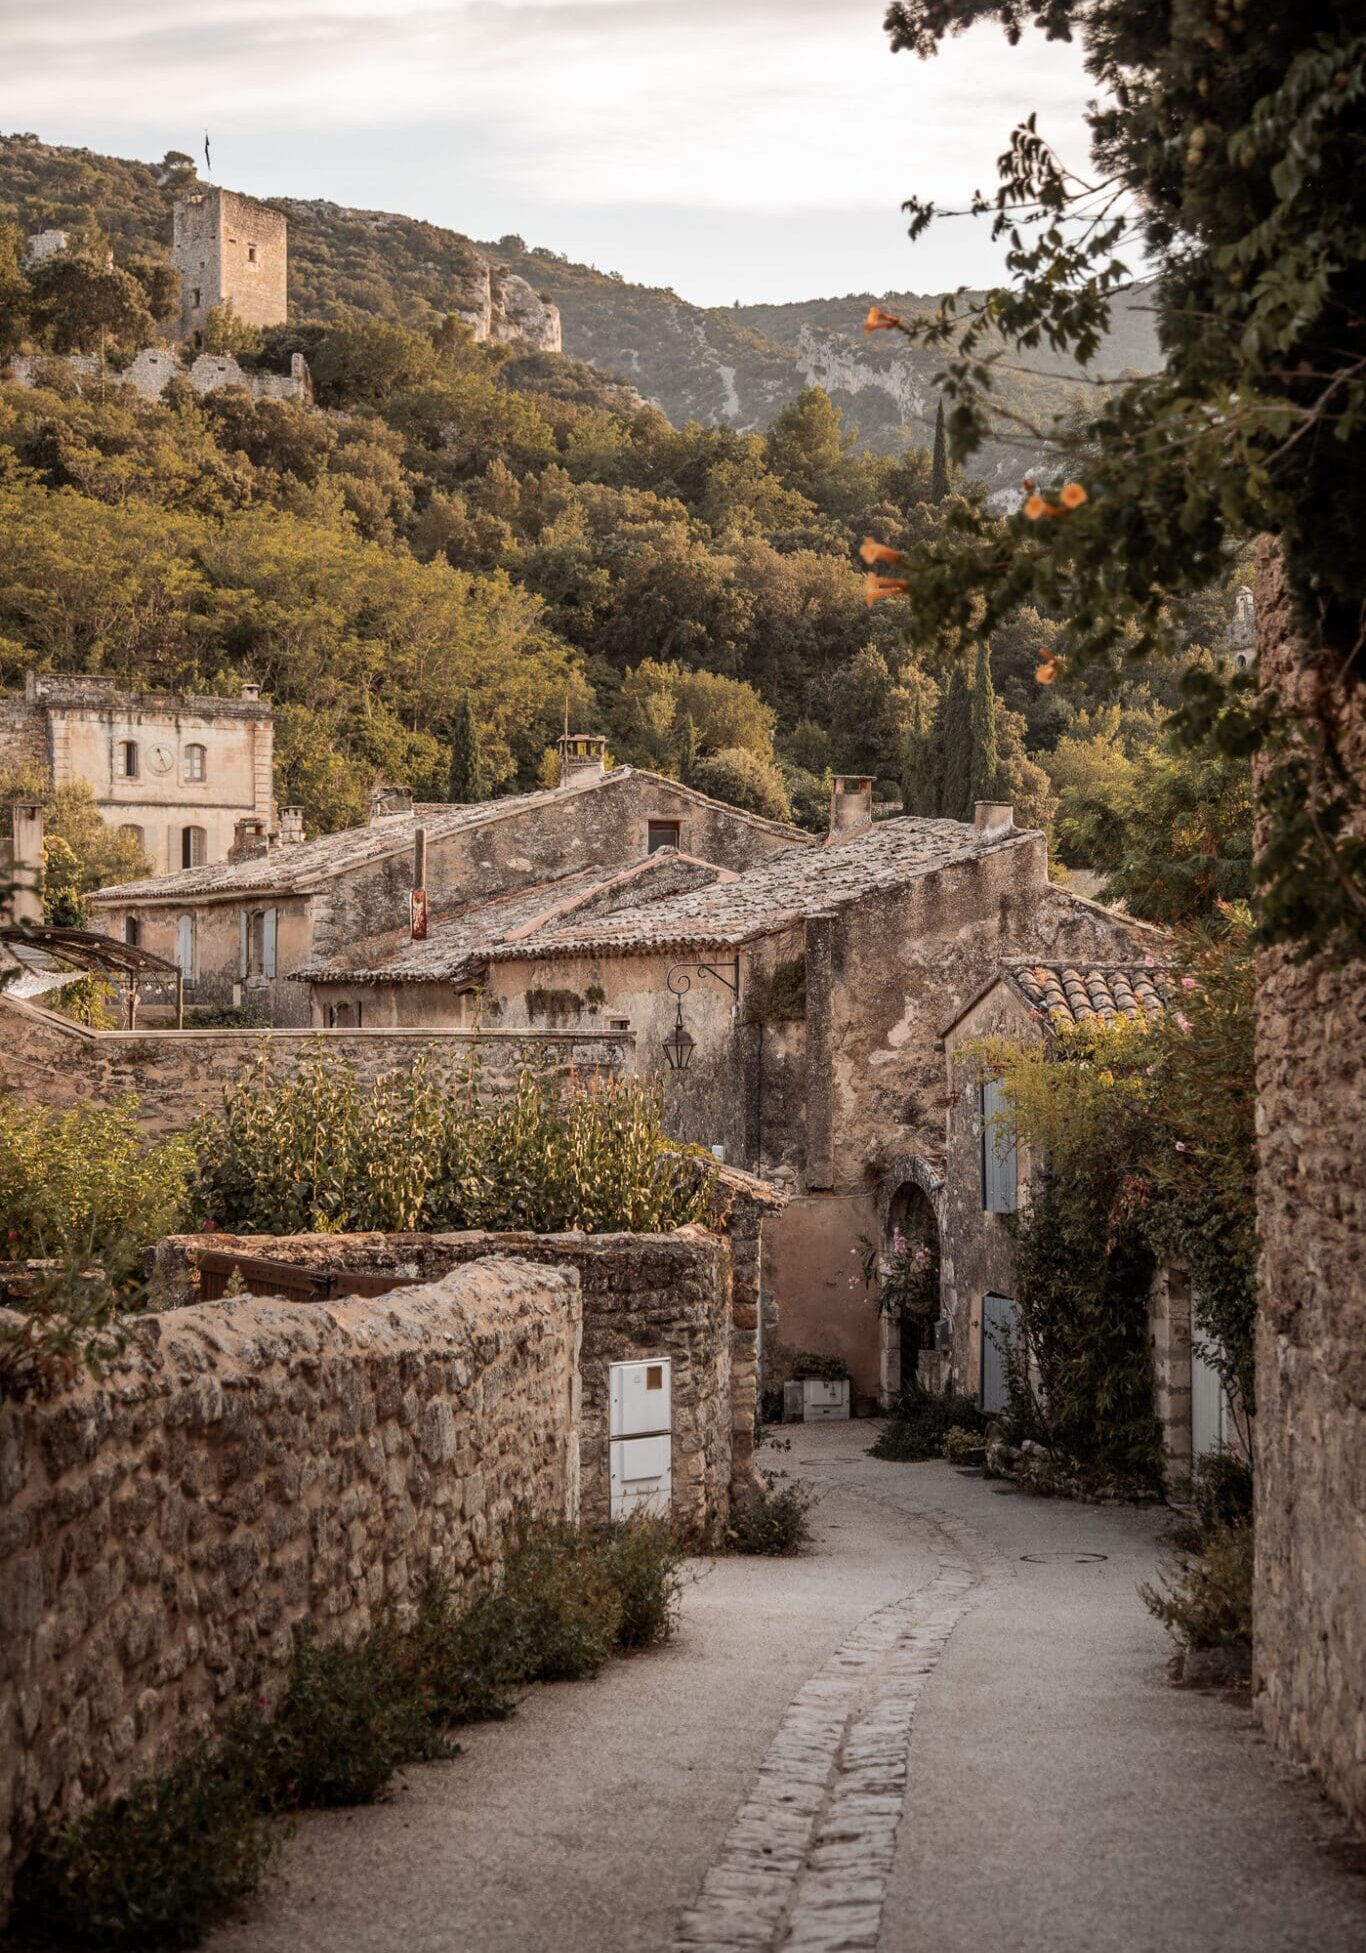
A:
[904,1178]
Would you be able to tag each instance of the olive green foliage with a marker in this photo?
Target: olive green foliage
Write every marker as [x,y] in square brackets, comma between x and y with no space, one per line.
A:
[742,779]
[940,479]
[1227,148]
[1148,1149]
[1204,1597]
[421,1149]
[986,764]
[468,780]
[88,1176]
[63,905]
[1174,833]
[775,1522]
[161,1866]
[778,996]
[815,1364]
[921,1423]
[962,1446]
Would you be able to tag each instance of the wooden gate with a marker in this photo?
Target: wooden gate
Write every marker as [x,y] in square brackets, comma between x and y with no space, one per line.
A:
[262,1276]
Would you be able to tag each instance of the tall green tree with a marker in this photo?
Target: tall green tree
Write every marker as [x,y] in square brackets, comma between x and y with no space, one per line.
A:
[468,779]
[921,783]
[956,747]
[986,762]
[939,467]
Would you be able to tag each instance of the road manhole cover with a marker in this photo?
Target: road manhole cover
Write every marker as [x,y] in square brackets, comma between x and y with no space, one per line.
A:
[1061,1559]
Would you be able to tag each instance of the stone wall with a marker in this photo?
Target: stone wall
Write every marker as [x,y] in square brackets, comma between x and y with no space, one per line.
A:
[1309,1609]
[245,1467]
[176,1075]
[152,369]
[644,1295]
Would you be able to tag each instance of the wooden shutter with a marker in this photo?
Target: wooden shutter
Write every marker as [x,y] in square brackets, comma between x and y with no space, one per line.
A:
[243,944]
[998,1151]
[268,936]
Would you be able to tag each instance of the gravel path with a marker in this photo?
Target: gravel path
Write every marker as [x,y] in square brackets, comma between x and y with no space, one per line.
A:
[946,1729]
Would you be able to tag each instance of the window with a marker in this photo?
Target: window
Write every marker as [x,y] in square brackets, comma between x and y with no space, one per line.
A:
[194,847]
[132,931]
[660,834]
[257,940]
[251,254]
[195,758]
[185,945]
[196,298]
[126,759]
[998,1150]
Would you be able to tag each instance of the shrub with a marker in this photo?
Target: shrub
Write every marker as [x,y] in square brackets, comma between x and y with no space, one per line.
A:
[1223,1490]
[1205,1597]
[641,1558]
[86,1177]
[826,1369]
[921,1423]
[349,1718]
[418,1149]
[773,1522]
[961,1445]
[156,1868]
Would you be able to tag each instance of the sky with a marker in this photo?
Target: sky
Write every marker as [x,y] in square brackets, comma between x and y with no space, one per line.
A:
[732,149]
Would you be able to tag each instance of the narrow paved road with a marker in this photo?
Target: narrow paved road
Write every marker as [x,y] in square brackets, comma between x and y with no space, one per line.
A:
[946,1729]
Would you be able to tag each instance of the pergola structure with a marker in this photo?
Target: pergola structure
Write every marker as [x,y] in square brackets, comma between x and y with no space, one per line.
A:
[36,946]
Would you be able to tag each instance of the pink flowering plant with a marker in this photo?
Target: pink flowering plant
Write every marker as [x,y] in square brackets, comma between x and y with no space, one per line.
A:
[904,1279]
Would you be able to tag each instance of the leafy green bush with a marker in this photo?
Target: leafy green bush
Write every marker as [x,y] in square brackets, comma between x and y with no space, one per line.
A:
[86,1177]
[156,1868]
[1223,1490]
[774,1522]
[825,1369]
[961,1445]
[1205,1597]
[920,1424]
[641,1558]
[420,1149]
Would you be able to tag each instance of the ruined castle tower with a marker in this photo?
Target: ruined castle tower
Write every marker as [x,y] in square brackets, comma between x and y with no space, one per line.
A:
[228,248]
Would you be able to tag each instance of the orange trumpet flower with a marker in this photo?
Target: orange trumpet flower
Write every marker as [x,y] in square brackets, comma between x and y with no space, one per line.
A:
[1035,508]
[1073,495]
[880,321]
[885,586]
[1046,670]
[876,552]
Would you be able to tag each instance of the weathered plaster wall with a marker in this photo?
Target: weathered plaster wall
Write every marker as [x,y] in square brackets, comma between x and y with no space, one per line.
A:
[1309,1604]
[244,1468]
[644,1295]
[176,1075]
[812,1265]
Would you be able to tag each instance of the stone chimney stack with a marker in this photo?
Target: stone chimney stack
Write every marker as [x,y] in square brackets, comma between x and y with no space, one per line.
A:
[583,756]
[291,826]
[851,804]
[992,818]
[249,838]
[250,694]
[21,876]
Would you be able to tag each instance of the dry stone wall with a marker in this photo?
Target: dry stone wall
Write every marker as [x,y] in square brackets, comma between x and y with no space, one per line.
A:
[1309,1600]
[644,1295]
[246,1467]
[175,1075]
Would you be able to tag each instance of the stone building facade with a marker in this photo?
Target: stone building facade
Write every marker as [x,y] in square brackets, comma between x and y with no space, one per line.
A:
[241,930]
[242,1469]
[178,772]
[829,974]
[1309,1598]
[229,250]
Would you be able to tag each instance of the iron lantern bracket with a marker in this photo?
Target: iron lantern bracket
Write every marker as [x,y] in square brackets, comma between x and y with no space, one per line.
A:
[679,980]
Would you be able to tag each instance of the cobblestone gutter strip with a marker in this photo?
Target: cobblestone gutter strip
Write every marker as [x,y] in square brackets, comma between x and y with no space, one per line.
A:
[805,1865]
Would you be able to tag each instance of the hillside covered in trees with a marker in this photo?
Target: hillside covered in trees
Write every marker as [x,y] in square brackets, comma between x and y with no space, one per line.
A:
[463,522]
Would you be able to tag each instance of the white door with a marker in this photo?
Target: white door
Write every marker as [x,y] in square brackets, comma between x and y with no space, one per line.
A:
[1208,1407]
[640,1440]
[184,945]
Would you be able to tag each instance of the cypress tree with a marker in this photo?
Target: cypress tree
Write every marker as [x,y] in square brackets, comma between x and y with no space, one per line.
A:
[920,781]
[986,760]
[939,470]
[467,781]
[955,746]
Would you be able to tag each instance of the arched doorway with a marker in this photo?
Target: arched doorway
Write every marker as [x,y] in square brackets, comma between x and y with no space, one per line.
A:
[910,1295]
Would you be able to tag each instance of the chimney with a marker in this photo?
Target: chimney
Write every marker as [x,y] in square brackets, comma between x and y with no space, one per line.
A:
[417,921]
[391,803]
[851,803]
[992,818]
[583,756]
[250,694]
[291,826]
[249,838]
[23,901]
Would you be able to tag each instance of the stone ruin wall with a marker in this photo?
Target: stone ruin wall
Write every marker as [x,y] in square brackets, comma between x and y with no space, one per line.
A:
[246,1467]
[153,368]
[48,1060]
[1309,1599]
[644,1295]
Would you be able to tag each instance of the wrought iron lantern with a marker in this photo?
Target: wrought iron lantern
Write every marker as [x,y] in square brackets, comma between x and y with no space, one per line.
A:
[680,1043]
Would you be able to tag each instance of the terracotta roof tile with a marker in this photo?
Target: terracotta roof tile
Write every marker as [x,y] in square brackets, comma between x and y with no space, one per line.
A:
[1089,993]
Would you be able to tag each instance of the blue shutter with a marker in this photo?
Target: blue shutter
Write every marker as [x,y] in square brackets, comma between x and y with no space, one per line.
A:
[268,935]
[998,1151]
[243,944]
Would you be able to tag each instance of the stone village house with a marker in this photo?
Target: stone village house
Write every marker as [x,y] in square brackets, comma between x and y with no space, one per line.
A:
[239,930]
[816,983]
[986,1179]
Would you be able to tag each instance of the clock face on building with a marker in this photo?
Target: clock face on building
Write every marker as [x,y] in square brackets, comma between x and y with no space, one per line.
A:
[161,759]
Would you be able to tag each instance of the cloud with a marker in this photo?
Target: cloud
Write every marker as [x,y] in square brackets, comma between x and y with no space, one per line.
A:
[769,107]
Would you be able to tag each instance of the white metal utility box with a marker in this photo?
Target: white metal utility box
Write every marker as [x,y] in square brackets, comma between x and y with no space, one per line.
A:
[823,1399]
[640,1437]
